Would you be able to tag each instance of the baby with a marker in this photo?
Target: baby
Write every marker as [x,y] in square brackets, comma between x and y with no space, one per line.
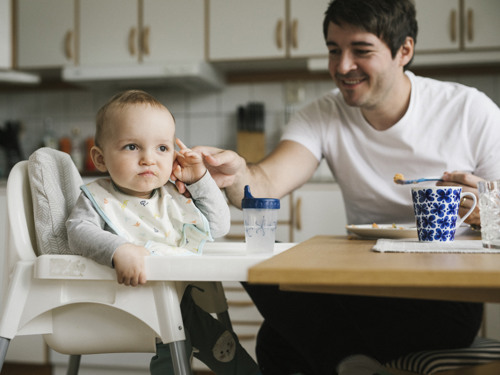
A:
[138,212]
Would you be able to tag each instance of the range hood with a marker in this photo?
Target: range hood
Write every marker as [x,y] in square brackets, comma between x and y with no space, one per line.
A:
[190,75]
[7,74]
[19,78]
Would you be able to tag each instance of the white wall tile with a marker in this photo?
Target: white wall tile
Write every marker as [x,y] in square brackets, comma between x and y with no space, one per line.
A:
[483,83]
[176,101]
[234,96]
[203,103]
[182,129]
[52,103]
[205,130]
[206,118]
[271,94]
[80,102]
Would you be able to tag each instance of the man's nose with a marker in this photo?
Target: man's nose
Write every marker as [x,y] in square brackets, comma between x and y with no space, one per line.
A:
[346,63]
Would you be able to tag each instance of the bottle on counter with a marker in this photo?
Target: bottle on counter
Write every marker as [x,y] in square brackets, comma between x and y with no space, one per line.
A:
[65,145]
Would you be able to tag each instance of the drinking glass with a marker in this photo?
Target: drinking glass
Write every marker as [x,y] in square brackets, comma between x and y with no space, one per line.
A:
[489,210]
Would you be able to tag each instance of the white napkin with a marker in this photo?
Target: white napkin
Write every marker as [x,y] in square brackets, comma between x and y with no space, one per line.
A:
[384,245]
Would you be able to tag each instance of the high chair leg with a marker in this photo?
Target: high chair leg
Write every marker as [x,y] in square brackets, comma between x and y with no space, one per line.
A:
[74,364]
[180,358]
[4,345]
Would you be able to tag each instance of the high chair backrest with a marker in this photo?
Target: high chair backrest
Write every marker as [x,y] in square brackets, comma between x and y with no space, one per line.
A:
[55,186]
[21,243]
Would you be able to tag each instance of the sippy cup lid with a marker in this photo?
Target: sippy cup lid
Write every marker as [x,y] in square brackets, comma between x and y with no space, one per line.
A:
[249,201]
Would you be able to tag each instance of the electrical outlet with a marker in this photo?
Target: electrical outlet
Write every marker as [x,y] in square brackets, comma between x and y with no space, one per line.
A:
[295,92]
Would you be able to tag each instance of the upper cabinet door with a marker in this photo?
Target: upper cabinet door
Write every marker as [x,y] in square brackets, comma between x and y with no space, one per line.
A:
[306,28]
[242,29]
[438,25]
[173,30]
[109,32]
[481,24]
[45,33]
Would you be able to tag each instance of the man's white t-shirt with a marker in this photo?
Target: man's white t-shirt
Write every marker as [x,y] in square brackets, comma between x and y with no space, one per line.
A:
[447,127]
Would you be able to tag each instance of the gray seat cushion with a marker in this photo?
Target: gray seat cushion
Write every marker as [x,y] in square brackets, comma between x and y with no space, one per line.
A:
[55,186]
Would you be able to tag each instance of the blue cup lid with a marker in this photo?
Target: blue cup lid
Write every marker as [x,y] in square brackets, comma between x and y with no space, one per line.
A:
[249,201]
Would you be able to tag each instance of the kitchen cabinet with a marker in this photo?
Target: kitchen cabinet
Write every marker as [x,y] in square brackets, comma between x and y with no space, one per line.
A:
[131,31]
[109,32]
[306,28]
[174,30]
[263,29]
[457,25]
[45,32]
[318,208]
[5,35]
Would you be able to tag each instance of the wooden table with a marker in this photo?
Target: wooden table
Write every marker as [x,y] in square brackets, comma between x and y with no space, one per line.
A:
[336,264]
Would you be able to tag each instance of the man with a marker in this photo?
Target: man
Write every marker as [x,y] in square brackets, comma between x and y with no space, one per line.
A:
[380,120]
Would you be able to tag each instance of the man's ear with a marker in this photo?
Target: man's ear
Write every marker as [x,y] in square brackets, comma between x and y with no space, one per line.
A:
[98,159]
[406,51]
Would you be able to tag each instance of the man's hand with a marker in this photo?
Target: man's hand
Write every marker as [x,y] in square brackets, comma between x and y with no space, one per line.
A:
[223,165]
[129,264]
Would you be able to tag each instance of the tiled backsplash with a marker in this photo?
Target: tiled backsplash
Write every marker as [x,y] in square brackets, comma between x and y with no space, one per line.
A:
[207,118]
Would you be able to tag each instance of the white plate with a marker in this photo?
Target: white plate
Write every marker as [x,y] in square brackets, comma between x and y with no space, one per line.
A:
[383,231]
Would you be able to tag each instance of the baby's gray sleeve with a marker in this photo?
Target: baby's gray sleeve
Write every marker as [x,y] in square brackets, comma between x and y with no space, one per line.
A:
[211,202]
[89,236]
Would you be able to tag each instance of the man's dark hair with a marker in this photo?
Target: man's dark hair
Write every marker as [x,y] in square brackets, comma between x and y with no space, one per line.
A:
[390,20]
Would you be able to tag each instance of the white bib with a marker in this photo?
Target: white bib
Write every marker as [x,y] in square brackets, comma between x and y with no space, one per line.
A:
[167,223]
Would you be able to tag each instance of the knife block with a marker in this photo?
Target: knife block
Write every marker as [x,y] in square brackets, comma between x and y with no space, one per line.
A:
[251,145]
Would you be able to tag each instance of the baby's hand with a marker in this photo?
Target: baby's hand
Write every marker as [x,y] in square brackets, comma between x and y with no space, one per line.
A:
[129,264]
[188,166]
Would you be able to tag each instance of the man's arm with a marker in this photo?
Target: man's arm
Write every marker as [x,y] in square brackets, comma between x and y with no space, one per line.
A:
[288,167]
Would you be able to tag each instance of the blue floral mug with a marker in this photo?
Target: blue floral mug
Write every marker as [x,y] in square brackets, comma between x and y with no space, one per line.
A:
[436,211]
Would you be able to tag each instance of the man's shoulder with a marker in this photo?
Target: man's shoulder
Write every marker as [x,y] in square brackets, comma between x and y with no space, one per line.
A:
[428,83]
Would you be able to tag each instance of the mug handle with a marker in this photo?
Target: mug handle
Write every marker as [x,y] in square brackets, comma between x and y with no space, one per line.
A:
[474,199]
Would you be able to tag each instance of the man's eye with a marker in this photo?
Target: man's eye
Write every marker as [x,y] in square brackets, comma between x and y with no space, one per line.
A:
[362,51]
[333,52]
[131,147]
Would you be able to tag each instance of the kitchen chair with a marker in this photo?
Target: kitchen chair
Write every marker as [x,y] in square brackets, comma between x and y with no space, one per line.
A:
[75,303]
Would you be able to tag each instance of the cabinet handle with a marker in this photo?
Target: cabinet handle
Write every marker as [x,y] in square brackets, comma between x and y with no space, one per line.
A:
[131,41]
[453,25]
[295,27]
[68,50]
[298,214]
[145,40]
[279,34]
[470,25]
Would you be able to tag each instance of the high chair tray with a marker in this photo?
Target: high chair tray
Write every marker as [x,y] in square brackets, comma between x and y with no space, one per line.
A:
[220,261]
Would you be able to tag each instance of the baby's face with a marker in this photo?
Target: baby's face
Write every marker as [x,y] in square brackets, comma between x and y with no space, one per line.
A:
[138,148]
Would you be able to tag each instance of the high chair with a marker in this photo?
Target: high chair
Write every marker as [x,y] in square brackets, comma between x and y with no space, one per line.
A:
[75,303]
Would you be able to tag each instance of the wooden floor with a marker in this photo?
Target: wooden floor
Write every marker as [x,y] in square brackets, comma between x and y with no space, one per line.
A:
[18,369]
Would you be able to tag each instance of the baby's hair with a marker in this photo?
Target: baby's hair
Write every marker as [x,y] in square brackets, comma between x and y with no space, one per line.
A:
[122,100]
